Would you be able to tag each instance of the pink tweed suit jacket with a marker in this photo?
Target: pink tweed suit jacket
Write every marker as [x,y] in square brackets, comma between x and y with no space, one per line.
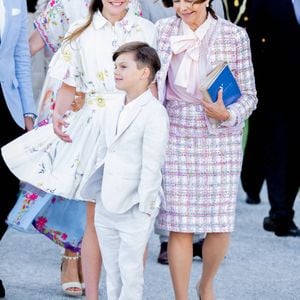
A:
[229,43]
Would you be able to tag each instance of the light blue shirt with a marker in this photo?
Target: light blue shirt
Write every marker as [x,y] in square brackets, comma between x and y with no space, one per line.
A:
[2,18]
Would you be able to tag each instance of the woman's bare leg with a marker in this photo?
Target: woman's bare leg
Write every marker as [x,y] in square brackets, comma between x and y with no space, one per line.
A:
[214,250]
[180,256]
[91,256]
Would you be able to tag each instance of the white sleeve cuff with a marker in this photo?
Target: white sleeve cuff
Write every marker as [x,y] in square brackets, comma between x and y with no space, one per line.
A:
[230,121]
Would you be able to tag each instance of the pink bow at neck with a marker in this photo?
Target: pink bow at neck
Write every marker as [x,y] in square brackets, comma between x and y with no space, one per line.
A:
[188,72]
[194,62]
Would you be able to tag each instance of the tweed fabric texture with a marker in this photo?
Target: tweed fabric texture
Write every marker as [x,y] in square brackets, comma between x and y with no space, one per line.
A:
[201,174]
[228,42]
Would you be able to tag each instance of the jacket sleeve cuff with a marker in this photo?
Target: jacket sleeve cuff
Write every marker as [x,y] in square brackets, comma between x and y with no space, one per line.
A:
[147,208]
[231,121]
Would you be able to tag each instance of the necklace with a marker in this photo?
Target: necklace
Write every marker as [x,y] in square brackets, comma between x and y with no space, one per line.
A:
[241,10]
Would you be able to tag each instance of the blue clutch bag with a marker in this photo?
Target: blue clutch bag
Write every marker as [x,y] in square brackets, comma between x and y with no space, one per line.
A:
[220,77]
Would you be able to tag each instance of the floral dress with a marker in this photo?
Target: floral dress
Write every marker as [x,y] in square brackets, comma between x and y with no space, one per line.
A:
[52,25]
[39,157]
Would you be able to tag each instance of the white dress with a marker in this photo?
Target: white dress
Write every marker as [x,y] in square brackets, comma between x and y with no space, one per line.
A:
[39,157]
[52,24]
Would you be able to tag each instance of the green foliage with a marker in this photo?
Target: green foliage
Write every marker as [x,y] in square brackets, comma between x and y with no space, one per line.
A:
[245,134]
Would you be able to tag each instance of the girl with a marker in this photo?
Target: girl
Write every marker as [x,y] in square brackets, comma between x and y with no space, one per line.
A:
[84,64]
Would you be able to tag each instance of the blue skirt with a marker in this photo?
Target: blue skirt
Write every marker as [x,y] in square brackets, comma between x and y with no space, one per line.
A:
[61,220]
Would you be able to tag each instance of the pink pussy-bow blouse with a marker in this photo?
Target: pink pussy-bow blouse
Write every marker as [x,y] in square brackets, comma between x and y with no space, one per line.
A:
[194,64]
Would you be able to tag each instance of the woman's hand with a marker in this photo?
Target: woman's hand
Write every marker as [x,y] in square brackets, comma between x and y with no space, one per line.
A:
[58,124]
[216,110]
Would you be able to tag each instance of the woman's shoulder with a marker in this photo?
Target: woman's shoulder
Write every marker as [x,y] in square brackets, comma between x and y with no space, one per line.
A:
[165,21]
[167,25]
[77,24]
[230,31]
[227,26]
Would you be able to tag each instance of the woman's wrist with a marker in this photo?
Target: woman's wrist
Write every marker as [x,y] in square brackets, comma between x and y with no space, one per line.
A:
[227,116]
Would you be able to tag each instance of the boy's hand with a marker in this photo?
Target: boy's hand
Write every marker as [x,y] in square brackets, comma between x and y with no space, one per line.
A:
[58,124]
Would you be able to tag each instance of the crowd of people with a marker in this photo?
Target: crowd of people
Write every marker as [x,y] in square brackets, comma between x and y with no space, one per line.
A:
[121,141]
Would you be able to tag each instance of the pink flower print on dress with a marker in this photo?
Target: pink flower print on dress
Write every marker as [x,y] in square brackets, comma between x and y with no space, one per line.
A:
[43,122]
[31,196]
[64,236]
[41,222]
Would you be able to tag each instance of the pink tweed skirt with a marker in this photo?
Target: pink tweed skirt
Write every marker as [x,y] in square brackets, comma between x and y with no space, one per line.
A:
[200,176]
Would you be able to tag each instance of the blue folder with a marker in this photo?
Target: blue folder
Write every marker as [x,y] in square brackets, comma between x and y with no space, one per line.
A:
[221,77]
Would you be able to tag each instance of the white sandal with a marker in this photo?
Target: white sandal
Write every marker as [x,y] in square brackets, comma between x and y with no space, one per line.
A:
[71,284]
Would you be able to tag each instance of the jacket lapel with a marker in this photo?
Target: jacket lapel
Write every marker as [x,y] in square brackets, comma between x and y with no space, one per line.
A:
[112,118]
[165,54]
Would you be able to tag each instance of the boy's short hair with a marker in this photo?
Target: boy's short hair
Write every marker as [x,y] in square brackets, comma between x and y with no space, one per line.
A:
[144,56]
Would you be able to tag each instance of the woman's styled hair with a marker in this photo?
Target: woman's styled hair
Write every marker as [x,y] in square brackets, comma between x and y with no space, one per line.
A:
[144,56]
[169,3]
[95,5]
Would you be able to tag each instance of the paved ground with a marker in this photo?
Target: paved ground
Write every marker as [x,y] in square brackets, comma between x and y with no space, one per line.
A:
[259,265]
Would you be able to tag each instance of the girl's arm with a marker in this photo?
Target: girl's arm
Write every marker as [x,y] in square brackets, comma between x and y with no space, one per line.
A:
[65,97]
[36,43]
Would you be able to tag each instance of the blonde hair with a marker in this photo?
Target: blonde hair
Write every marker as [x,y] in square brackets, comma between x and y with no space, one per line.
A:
[95,5]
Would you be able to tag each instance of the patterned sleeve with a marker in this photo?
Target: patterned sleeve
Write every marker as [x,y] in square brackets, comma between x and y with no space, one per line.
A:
[244,73]
[242,109]
[52,24]
[66,63]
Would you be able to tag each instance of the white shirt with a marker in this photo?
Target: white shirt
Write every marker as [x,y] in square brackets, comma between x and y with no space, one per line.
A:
[126,108]
[2,17]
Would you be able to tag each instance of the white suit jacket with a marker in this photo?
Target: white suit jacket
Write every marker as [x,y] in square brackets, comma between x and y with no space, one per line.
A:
[128,165]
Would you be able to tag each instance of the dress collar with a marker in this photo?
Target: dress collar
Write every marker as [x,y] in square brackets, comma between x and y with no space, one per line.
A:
[127,22]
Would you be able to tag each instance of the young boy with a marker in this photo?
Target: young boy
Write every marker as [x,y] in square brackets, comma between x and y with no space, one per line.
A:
[127,178]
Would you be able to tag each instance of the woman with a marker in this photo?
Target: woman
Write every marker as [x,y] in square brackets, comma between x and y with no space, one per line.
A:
[204,156]
[88,70]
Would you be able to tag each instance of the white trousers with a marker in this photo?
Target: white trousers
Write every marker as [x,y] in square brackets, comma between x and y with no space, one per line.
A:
[123,239]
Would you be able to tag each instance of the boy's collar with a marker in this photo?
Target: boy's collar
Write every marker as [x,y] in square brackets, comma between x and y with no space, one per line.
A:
[142,99]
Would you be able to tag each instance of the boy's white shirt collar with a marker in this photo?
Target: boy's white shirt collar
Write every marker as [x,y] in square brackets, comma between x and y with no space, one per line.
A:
[130,107]
[135,101]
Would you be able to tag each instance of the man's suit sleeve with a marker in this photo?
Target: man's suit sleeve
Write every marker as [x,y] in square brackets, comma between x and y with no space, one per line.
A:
[23,66]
